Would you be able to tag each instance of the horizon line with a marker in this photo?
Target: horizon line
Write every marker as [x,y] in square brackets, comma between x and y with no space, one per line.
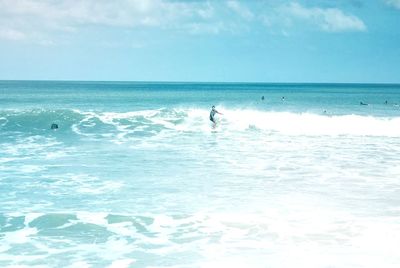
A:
[199,82]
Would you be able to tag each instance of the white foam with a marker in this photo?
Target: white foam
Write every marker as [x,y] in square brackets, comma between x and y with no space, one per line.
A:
[20,236]
[31,168]
[175,121]
[313,234]
[8,159]
[245,119]
[80,264]
[56,154]
[122,263]
[301,123]
[83,184]
[100,187]
[98,218]
[31,216]
[122,228]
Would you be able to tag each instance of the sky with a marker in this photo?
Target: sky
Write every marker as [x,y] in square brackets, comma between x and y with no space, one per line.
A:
[320,41]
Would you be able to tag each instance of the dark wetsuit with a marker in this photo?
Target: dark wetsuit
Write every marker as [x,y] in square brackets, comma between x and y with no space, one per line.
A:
[212,114]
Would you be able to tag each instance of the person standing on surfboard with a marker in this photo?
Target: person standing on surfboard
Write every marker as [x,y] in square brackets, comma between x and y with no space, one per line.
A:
[212,114]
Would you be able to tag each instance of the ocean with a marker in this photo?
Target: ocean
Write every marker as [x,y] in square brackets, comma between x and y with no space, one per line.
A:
[137,176]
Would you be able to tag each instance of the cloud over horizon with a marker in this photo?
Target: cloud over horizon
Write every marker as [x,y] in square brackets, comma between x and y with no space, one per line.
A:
[240,9]
[327,19]
[29,17]
[40,21]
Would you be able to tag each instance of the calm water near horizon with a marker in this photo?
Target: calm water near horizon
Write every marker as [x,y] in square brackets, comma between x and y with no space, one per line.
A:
[136,176]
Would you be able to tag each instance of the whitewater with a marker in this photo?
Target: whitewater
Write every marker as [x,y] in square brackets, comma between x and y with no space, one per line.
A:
[136,175]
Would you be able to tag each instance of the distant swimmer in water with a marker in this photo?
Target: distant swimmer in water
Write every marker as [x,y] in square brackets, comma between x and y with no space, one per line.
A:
[212,115]
[54,126]
[362,103]
[386,102]
[283,98]
[262,98]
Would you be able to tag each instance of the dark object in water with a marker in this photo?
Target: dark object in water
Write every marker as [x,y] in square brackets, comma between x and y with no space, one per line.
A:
[262,98]
[54,126]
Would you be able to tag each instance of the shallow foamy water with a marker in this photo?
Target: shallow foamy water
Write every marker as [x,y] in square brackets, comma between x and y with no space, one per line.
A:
[152,184]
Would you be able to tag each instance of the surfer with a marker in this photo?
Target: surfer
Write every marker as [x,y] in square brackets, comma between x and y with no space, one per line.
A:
[362,103]
[212,114]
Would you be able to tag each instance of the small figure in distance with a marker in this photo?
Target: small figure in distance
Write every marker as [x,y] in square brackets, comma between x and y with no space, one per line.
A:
[283,98]
[386,102]
[362,103]
[212,114]
[54,126]
[262,98]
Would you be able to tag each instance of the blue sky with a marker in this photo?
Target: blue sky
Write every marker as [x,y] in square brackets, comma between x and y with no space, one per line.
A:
[225,41]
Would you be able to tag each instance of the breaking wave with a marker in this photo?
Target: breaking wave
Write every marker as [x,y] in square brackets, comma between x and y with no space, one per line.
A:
[147,123]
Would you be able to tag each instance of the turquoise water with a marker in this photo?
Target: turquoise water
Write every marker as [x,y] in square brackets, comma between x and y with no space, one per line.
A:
[136,176]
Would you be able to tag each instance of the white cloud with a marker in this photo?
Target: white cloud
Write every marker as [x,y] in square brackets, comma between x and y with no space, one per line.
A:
[328,19]
[393,3]
[38,20]
[46,17]
[205,28]
[240,9]
[10,34]
[126,13]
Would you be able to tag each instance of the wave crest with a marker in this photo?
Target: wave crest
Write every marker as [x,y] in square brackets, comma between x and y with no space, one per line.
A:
[147,123]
